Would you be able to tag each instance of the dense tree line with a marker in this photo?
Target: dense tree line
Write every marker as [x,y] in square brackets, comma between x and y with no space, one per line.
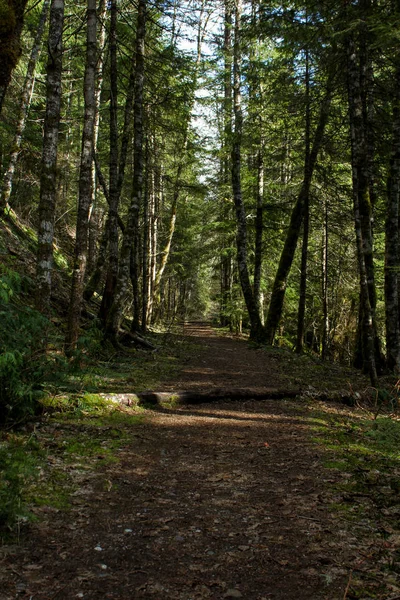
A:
[239,158]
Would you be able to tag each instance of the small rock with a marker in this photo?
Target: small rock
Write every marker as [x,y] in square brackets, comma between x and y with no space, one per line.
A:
[233,594]
[99,548]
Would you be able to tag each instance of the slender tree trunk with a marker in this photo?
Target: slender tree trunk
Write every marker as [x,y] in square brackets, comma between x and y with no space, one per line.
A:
[153,241]
[392,257]
[182,161]
[255,91]
[146,241]
[364,72]
[292,236]
[256,328]
[93,212]
[306,218]
[48,179]
[325,312]
[361,199]
[23,109]
[117,175]
[113,238]
[115,313]
[85,182]
[95,278]
[12,21]
[258,247]
[226,258]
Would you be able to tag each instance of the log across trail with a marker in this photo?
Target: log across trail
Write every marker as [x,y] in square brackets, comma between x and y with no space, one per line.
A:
[227,499]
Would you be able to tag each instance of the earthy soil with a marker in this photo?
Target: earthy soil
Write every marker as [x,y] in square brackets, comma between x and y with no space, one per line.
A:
[223,500]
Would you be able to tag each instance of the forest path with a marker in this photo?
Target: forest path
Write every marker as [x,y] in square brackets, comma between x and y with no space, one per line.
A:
[226,500]
[225,361]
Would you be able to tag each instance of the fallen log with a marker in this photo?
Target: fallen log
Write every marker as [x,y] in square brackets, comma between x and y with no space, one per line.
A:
[135,339]
[193,397]
[215,395]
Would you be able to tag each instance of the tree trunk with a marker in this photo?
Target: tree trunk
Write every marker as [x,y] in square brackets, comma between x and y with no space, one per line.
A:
[27,92]
[117,175]
[182,162]
[392,257]
[225,257]
[256,328]
[99,77]
[286,260]
[361,202]
[325,313]
[306,218]
[11,24]
[115,313]
[258,247]
[366,196]
[148,190]
[85,182]
[112,273]
[47,200]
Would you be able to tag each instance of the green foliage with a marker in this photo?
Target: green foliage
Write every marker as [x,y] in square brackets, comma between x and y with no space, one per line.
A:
[22,364]
[20,457]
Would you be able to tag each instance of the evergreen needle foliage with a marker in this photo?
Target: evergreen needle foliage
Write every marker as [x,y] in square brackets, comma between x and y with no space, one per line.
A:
[22,363]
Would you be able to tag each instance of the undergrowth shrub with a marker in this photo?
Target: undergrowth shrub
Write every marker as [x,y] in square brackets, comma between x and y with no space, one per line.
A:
[19,461]
[23,363]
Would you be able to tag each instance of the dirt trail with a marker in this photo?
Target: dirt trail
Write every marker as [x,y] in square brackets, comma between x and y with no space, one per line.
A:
[226,500]
[226,362]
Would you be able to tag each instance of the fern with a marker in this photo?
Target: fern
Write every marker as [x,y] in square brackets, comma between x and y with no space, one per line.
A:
[22,365]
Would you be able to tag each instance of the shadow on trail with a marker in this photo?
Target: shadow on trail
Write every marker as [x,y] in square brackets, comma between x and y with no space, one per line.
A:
[202,502]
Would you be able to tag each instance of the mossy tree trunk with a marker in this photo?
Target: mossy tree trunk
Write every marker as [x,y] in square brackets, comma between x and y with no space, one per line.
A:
[48,189]
[115,313]
[85,182]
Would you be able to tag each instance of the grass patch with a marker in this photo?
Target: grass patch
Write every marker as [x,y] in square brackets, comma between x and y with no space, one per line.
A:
[42,465]
[365,451]
[102,370]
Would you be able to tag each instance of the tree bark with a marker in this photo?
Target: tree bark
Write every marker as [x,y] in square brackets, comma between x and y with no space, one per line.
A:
[113,238]
[361,202]
[48,190]
[226,209]
[306,218]
[117,175]
[11,24]
[115,313]
[85,182]
[26,97]
[325,312]
[392,257]
[99,77]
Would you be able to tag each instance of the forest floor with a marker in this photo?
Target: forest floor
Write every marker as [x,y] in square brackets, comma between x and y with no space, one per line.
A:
[230,499]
